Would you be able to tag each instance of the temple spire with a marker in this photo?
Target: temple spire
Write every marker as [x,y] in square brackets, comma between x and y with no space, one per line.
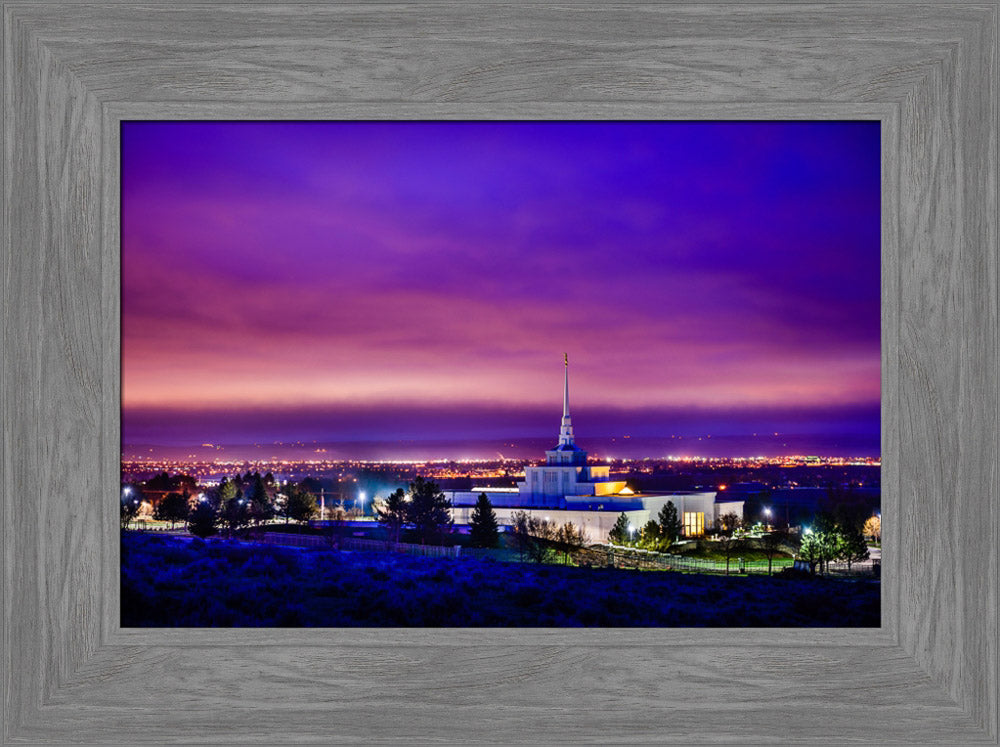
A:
[566,386]
[566,430]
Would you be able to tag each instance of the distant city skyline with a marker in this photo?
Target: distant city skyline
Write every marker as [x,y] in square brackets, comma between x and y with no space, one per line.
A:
[357,281]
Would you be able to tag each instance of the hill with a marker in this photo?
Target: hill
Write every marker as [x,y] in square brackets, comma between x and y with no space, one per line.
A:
[171,581]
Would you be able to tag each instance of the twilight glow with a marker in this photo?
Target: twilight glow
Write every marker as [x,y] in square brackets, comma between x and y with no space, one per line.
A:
[360,280]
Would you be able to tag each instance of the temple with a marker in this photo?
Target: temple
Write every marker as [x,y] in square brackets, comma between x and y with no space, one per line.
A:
[565,472]
[568,489]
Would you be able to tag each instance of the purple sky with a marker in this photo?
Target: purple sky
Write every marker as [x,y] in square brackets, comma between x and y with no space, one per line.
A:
[352,280]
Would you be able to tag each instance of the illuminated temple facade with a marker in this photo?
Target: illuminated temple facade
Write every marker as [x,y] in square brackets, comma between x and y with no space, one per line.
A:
[565,473]
[567,488]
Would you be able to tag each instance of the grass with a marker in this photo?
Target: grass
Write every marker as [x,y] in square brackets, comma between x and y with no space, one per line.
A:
[749,555]
[168,581]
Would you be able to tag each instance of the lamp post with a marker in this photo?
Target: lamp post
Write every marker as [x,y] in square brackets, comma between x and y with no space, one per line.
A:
[767,513]
[361,502]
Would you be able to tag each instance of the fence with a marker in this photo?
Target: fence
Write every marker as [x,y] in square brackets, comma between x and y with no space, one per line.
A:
[427,551]
[357,543]
[628,557]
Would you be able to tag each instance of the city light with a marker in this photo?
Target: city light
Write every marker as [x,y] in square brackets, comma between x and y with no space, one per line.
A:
[209,472]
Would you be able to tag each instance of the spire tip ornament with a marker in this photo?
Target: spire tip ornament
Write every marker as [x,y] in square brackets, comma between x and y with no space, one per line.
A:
[566,429]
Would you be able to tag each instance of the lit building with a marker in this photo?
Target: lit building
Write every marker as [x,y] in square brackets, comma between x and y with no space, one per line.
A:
[568,489]
[565,474]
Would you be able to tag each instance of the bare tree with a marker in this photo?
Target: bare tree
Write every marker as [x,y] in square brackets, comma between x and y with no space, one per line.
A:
[570,538]
[729,545]
[533,537]
[771,544]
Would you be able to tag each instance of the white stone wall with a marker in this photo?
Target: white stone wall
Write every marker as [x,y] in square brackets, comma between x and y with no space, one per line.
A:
[596,515]
[729,507]
[595,524]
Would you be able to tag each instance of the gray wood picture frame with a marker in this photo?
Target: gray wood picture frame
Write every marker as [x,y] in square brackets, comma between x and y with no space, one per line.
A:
[73,71]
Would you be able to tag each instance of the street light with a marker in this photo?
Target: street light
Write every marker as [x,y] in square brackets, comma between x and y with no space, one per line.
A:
[361,500]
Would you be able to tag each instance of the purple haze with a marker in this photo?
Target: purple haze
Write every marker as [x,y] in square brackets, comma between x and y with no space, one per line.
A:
[357,280]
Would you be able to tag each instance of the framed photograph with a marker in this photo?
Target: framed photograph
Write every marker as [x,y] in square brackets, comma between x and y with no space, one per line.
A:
[83,80]
[341,385]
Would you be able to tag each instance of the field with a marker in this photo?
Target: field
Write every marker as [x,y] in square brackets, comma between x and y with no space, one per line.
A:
[170,581]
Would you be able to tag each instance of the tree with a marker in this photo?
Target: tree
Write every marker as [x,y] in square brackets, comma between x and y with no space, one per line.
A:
[619,533]
[429,511]
[729,524]
[261,505]
[771,544]
[300,504]
[649,535]
[570,538]
[236,513]
[392,514]
[227,491]
[824,522]
[670,524]
[202,520]
[873,528]
[533,537]
[851,515]
[131,502]
[852,547]
[173,507]
[519,531]
[812,550]
[827,536]
[729,545]
[543,534]
[483,526]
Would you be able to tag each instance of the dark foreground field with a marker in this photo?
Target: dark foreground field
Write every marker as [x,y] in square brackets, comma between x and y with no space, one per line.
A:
[175,582]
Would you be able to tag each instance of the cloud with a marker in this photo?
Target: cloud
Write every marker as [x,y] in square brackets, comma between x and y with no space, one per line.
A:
[681,265]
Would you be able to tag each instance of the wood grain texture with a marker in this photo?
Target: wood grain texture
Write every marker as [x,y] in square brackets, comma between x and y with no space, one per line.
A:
[71,72]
